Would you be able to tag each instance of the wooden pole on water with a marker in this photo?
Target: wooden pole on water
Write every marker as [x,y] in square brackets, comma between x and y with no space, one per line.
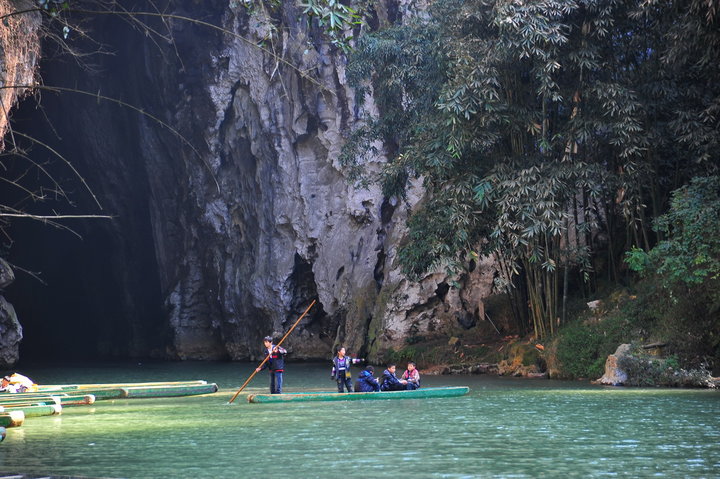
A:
[268,356]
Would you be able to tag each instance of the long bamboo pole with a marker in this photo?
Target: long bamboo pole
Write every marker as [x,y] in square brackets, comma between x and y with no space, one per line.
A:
[268,356]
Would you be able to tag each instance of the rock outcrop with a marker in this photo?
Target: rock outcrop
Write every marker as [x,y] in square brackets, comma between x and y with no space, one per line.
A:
[614,375]
[11,332]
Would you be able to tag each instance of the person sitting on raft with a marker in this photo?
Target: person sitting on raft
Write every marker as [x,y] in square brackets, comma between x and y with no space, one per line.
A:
[366,383]
[341,370]
[412,376]
[390,382]
[17,383]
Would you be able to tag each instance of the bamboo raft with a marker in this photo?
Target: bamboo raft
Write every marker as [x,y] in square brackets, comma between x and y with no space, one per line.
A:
[51,399]
[135,390]
[422,393]
[12,418]
[34,410]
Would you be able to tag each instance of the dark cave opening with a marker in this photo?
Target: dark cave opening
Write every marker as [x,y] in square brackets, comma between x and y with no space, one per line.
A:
[86,291]
[98,293]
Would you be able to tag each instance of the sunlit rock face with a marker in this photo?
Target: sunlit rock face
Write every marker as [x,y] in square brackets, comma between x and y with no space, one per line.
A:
[614,375]
[19,46]
[228,229]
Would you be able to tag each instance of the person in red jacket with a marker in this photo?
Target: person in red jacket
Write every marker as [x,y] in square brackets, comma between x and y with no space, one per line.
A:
[275,363]
[412,376]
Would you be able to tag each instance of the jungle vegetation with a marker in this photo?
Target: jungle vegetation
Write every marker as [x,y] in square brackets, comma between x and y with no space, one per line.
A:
[576,141]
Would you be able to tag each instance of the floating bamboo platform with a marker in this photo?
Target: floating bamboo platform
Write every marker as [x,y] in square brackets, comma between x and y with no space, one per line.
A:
[51,399]
[34,410]
[12,418]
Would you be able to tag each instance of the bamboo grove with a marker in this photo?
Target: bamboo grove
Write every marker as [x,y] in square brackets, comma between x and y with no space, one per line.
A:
[549,134]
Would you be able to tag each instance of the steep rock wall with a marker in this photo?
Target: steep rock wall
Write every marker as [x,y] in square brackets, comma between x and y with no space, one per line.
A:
[225,235]
[19,46]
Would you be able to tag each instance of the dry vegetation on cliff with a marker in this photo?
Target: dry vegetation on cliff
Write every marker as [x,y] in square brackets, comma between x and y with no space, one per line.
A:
[19,54]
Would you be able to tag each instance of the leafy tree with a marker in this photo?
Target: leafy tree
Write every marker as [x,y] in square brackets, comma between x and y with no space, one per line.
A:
[562,117]
[691,253]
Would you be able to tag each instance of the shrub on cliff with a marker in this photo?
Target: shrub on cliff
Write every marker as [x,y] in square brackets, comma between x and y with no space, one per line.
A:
[685,272]
[583,346]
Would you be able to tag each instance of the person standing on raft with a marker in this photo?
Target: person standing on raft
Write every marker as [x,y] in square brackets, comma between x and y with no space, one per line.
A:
[341,370]
[275,363]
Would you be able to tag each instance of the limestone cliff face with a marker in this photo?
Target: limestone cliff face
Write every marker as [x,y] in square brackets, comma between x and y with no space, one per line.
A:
[285,223]
[227,234]
[19,46]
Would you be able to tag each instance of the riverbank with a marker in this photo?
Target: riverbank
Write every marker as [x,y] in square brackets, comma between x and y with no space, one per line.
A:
[512,356]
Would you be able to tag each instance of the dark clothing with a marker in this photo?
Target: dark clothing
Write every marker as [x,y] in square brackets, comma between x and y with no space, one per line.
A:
[276,381]
[341,372]
[276,365]
[345,382]
[366,383]
[276,362]
[390,382]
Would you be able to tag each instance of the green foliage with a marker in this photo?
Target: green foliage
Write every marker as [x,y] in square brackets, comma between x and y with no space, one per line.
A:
[691,254]
[437,230]
[685,268]
[335,18]
[638,260]
[583,347]
[540,123]
[53,6]
[402,356]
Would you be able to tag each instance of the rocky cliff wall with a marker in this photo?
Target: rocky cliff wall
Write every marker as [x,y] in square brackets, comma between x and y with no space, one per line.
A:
[225,235]
[19,47]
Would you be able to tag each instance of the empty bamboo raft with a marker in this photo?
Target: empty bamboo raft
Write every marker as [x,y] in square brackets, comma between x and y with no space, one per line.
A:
[12,418]
[135,390]
[51,399]
[34,410]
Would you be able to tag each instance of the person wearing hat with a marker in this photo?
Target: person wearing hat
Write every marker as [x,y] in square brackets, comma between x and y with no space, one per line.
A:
[275,363]
[366,383]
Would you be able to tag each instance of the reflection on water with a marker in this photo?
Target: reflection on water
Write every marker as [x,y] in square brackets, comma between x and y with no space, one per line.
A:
[505,428]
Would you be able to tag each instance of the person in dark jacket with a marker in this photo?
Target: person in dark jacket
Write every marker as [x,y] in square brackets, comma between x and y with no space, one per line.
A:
[275,363]
[390,382]
[341,370]
[366,383]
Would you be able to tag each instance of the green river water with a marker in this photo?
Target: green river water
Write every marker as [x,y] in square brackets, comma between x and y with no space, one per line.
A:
[505,428]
